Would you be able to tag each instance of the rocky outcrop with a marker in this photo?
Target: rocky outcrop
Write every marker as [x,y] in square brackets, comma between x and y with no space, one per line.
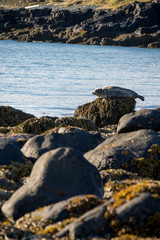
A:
[137,24]
[62,195]
[103,112]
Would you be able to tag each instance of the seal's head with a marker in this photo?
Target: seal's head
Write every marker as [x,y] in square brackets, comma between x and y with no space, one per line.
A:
[98,92]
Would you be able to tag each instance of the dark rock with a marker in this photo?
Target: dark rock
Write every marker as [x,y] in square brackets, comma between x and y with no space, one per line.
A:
[57,175]
[82,141]
[11,117]
[35,125]
[40,12]
[103,112]
[118,151]
[143,119]
[10,152]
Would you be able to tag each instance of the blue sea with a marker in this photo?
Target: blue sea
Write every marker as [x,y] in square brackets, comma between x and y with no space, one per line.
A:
[52,79]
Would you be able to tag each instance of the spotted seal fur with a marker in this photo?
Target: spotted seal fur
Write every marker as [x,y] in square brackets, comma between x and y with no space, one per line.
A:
[115,92]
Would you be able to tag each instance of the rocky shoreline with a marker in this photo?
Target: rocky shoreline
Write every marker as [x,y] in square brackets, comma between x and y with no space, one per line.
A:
[74,178]
[137,25]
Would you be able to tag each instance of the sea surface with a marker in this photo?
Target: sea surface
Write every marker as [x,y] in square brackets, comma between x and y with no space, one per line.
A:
[52,79]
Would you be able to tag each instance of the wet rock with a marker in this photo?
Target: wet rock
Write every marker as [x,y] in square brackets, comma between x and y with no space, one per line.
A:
[80,140]
[143,119]
[76,122]
[10,152]
[105,111]
[11,117]
[119,151]
[35,125]
[57,175]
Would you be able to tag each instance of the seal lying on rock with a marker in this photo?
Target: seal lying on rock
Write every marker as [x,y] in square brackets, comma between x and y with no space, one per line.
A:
[114,92]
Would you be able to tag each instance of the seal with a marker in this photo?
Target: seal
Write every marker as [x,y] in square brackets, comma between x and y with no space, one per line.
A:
[116,92]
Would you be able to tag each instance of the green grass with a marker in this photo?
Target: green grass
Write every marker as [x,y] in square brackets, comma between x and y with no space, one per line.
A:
[65,3]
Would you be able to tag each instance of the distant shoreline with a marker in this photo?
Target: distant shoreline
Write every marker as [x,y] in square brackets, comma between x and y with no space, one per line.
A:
[135,25]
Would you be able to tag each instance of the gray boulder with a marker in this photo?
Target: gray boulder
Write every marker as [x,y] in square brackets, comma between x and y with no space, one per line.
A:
[10,152]
[143,119]
[82,141]
[118,151]
[57,175]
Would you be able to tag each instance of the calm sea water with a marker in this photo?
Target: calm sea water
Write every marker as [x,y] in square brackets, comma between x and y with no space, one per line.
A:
[54,79]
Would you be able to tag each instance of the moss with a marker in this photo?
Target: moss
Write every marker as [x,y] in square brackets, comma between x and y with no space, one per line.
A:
[148,167]
[82,204]
[16,171]
[52,229]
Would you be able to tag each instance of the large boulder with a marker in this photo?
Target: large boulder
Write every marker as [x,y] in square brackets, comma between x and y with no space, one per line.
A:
[103,112]
[143,119]
[119,151]
[57,175]
[80,140]
[11,117]
[10,152]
